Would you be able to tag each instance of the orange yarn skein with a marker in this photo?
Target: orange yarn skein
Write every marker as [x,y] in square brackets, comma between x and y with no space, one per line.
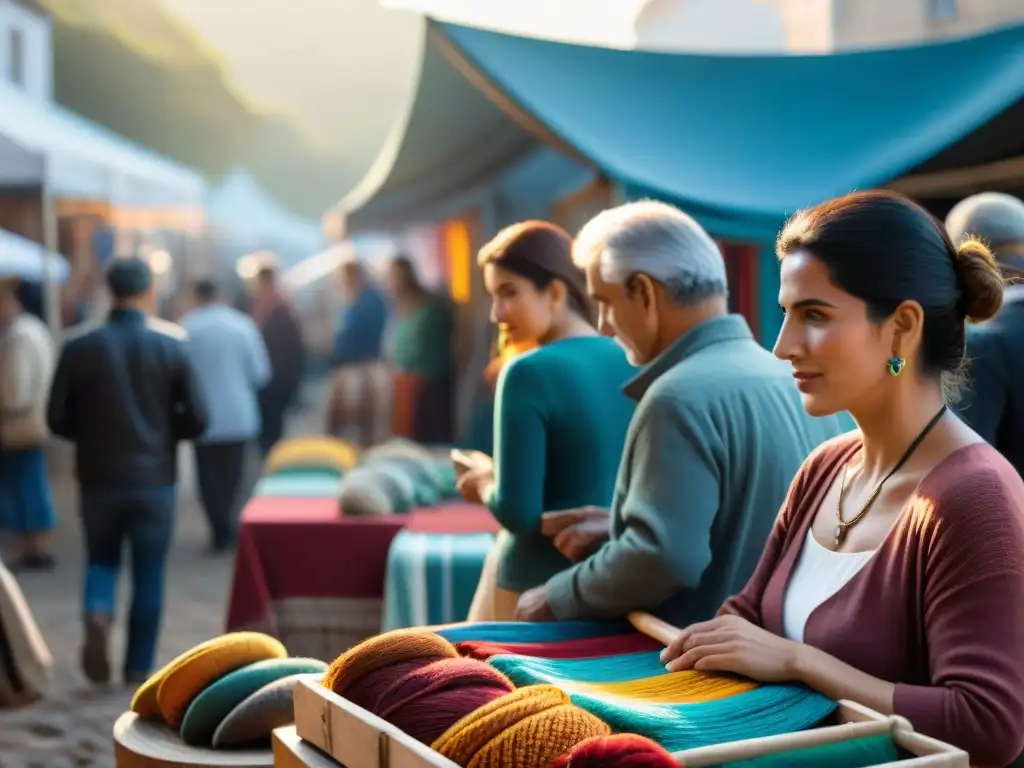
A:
[525,729]
[356,674]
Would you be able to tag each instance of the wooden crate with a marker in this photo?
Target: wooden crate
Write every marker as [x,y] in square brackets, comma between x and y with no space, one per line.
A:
[355,738]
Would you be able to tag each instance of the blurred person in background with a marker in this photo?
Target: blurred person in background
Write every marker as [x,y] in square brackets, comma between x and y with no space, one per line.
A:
[994,403]
[125,394]
[232,366]
[358,402]
[718,435]
[360,331]
[421,337]
[27,358]
[282,336]
[560,415]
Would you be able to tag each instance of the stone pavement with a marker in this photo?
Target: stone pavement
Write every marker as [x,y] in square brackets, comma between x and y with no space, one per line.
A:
[72,725]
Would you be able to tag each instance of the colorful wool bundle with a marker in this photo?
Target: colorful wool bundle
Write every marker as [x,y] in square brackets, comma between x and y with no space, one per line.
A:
[464,707]
[633,692]
[527,728]
[169,691]
[620,750]
[228,691]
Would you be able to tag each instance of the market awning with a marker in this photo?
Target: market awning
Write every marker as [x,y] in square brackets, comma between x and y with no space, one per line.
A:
[749,139]
[42,142]
[451,140]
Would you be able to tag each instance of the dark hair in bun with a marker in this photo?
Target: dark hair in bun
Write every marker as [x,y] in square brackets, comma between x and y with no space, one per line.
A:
[981,283]
[886,249]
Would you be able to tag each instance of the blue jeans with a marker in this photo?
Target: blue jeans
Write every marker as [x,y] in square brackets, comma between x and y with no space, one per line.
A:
[25,502]
[144,517]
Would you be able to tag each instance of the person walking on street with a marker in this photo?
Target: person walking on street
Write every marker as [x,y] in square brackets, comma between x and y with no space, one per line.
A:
[231,363]
[26,366]
[282,335]
[125,394]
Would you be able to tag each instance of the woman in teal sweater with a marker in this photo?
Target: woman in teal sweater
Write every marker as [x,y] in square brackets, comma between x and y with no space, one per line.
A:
[560,415]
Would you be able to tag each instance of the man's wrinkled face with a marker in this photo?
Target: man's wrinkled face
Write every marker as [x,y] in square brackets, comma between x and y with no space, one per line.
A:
[624,315]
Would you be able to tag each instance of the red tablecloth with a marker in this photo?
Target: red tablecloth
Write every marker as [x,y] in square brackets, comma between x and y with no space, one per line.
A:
[315,579]
[457,518]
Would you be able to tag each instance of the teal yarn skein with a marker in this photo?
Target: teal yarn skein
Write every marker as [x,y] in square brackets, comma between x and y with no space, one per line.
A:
[855,753]
[533,632]
[767,711]
[531,670]
[215,702]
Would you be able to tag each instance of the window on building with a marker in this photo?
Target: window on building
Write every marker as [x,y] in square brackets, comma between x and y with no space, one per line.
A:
[16,57]
[942,10]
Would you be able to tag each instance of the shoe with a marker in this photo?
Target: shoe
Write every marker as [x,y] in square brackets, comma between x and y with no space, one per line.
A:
[95,661]
[135,679]
[34,561]
[221,547]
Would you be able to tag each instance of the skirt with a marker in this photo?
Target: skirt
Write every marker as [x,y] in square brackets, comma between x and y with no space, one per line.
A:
[491,602]
[26,506]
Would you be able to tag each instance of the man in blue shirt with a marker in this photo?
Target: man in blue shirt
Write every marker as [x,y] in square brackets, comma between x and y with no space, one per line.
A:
[232,365]
[360,334]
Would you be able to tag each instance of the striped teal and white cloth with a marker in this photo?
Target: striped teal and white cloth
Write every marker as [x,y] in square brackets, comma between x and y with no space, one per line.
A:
[431,577]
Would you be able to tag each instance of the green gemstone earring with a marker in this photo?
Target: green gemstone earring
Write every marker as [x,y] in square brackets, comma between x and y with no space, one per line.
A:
[896,365]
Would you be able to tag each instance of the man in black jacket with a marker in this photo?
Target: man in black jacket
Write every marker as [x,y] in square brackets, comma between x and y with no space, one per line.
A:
[994,403]
[125,394]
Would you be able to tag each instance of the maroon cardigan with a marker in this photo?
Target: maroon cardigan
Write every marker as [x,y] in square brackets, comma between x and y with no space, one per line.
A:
[938,610]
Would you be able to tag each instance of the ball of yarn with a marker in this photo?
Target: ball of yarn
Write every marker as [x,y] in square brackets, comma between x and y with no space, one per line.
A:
[527,728]
[621,750]
[362,673]
[427,701]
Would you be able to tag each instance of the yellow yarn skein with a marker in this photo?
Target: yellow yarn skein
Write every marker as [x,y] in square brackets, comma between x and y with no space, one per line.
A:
[168,692]
[312,451]
[527,728]
[672,688]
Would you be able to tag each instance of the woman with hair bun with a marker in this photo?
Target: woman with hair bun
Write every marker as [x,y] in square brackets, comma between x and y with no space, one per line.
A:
[894,575]
[560,415]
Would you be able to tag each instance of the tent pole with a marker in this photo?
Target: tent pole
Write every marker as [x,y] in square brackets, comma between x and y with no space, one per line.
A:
[51,287]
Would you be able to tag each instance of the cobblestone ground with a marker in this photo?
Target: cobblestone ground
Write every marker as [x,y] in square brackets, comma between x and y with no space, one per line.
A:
[72,725]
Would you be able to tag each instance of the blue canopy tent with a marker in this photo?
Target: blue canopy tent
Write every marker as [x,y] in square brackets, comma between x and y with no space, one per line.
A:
[454,148]
[741,142]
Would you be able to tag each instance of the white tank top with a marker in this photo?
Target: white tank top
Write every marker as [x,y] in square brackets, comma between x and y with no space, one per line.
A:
[819,574]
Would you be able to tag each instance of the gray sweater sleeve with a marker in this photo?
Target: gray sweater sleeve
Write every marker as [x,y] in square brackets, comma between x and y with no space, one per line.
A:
[669,505]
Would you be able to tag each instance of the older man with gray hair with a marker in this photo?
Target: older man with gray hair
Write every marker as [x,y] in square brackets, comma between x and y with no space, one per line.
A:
[718,434]
[994,404]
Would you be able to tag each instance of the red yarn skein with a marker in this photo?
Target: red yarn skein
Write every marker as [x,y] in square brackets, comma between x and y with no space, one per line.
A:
[621,750]
[427,701]
[361,673]
[583,648]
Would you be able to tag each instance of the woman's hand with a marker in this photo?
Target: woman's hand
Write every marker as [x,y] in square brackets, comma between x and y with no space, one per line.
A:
[732,644]
[577,533]
[473,483]
[581,540]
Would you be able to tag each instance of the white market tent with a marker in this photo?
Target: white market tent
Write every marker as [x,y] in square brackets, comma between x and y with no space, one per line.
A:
[26,260]
[43,143]
[243,212]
